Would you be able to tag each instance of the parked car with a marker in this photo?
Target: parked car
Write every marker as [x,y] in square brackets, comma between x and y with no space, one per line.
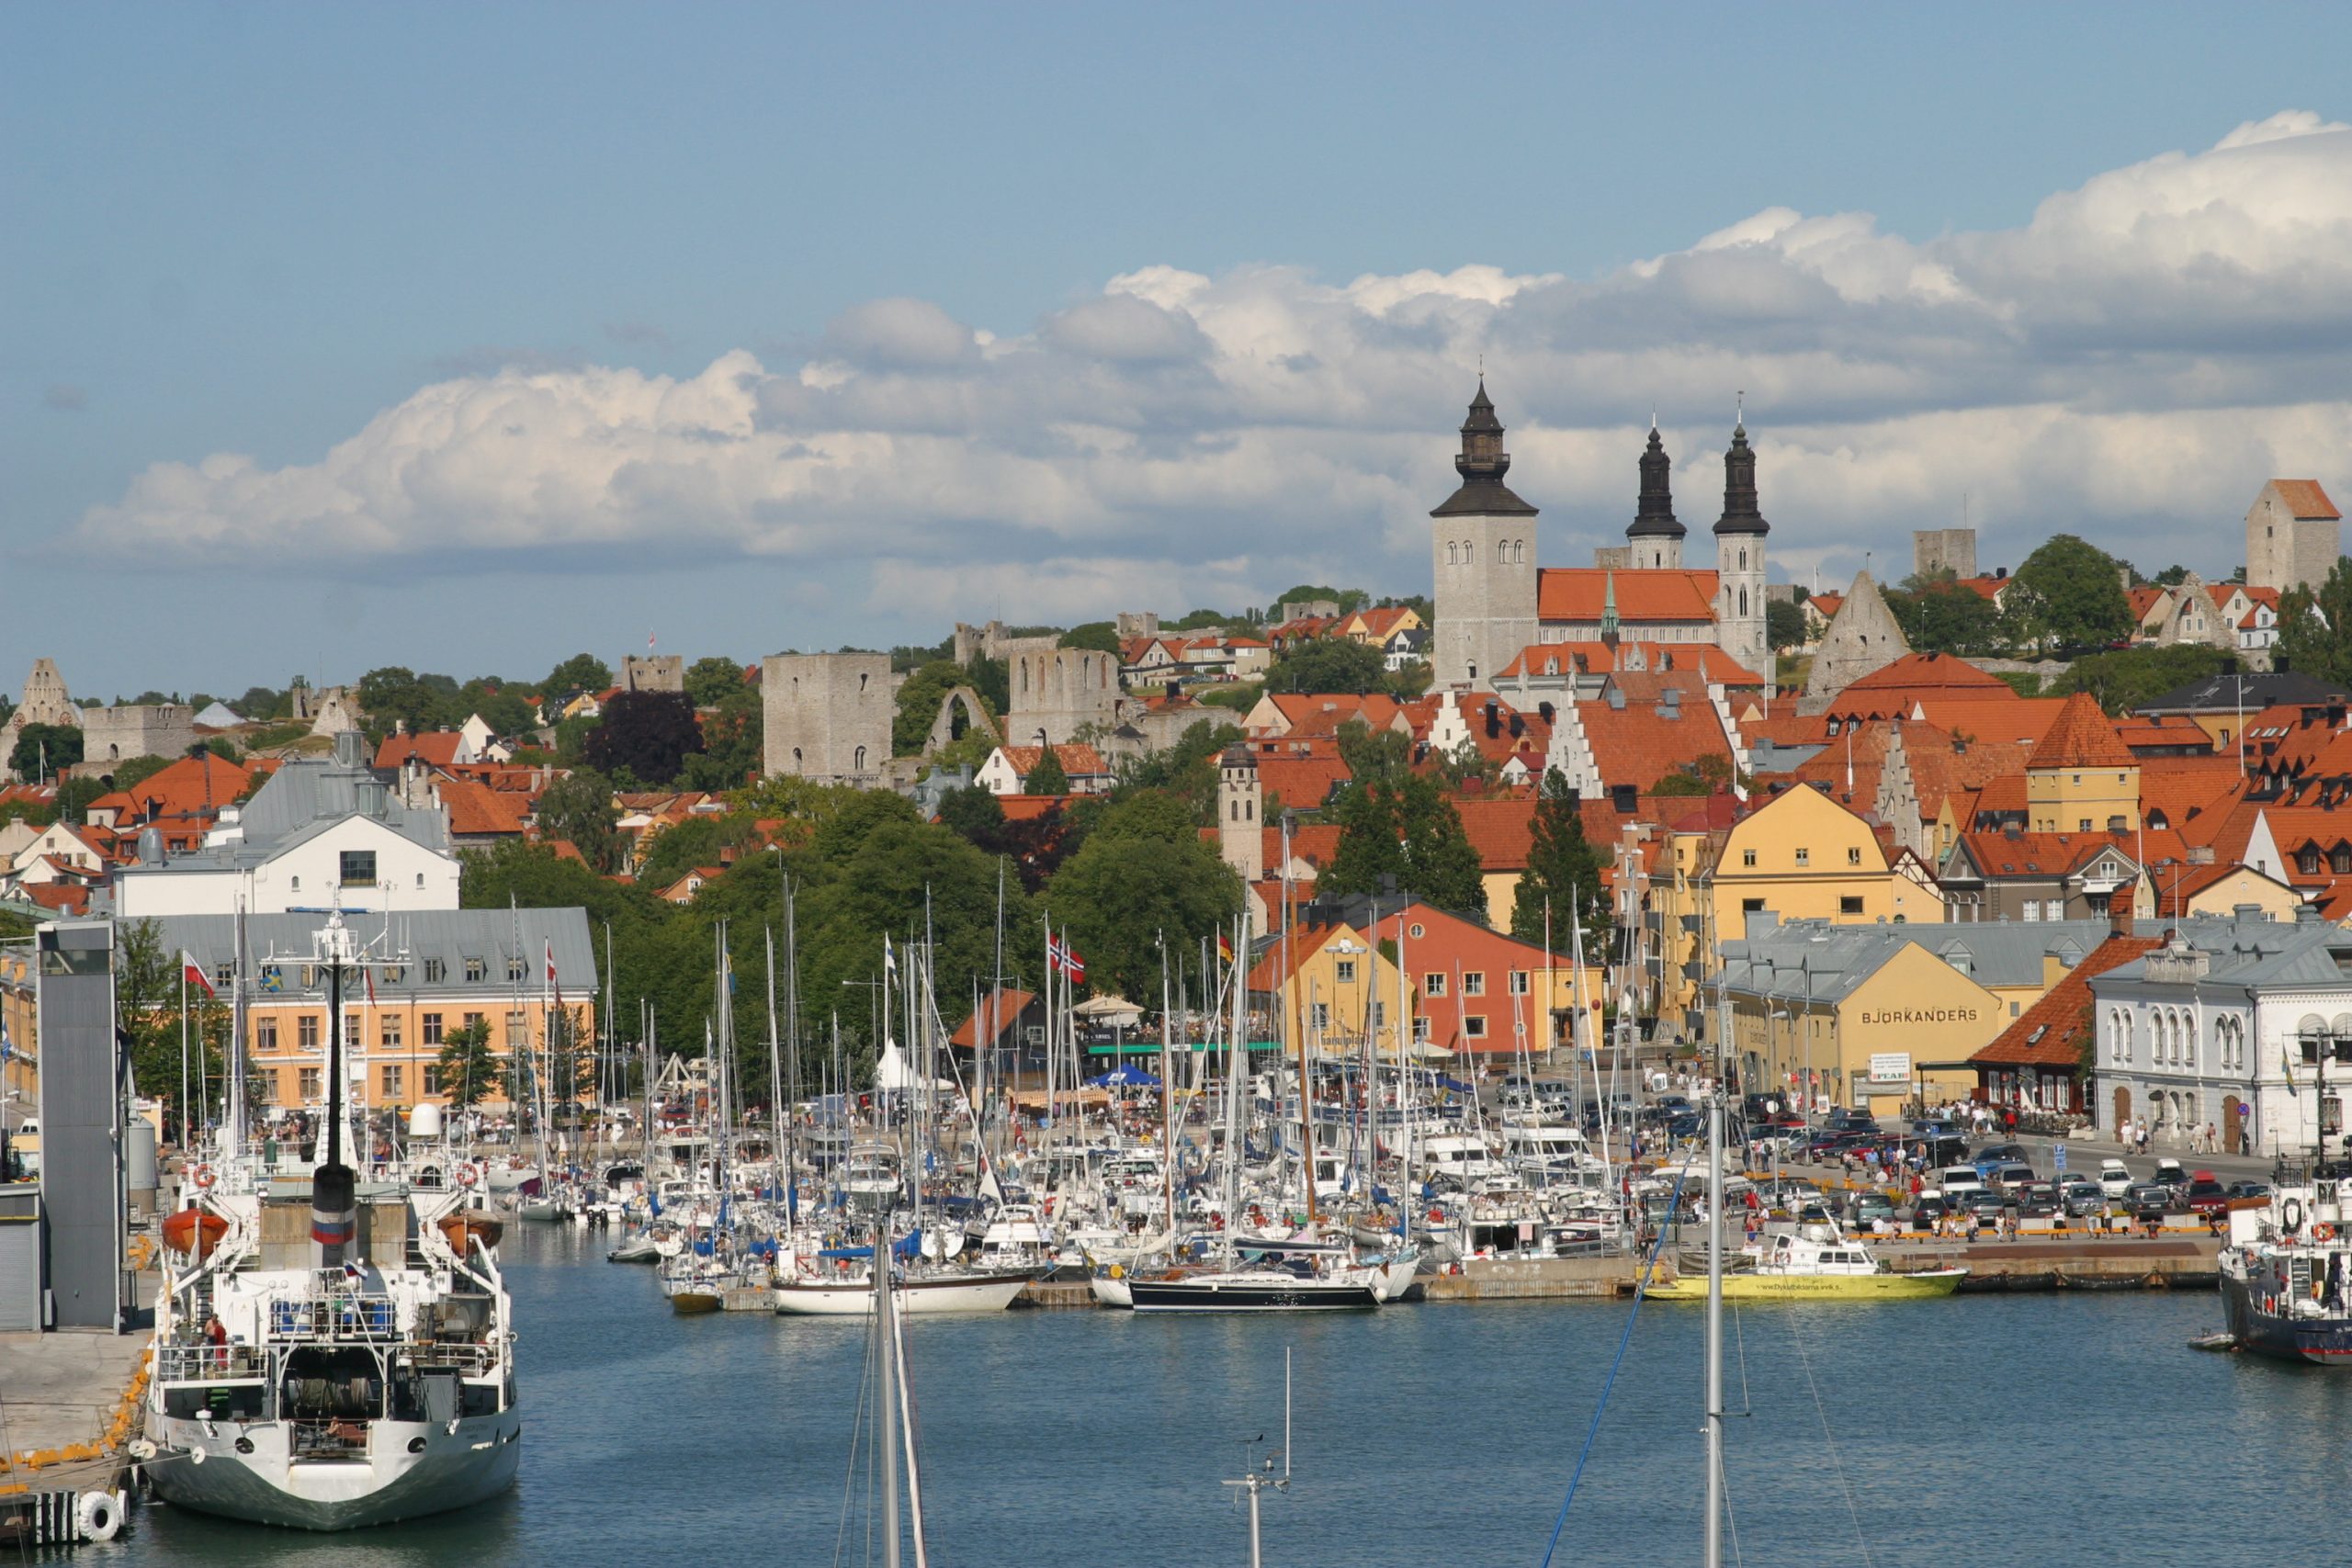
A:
[1958,1181]
[2169,1171]
[2113,1179]
[2206,1195]
[1926,1209]
[2033,1200]
[2081,1198]
[1864,1207]
[2151,1200]
[2010,1177]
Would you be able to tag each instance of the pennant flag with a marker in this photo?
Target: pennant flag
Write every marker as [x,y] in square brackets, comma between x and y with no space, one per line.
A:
[193,972]
[369,975]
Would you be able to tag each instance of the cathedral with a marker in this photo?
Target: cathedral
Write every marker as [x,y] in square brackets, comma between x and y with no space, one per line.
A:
[1493,601]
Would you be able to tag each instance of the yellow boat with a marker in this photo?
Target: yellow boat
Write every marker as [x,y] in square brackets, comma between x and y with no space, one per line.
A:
[1817,1265]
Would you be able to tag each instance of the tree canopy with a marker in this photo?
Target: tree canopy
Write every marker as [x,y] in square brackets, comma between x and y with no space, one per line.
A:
[581,673]
[1406,836]
[1048,777]
[710,681]
[44,750]
[646,735]
[2067,593]
[1563,873]
[2315,627]
[2127,678]
[1328,664]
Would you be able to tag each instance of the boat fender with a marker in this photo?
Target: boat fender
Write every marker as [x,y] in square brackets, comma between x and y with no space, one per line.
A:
[468,1176]
[2323,1232]
[203,1178]
[99,1515]
[2290,1215]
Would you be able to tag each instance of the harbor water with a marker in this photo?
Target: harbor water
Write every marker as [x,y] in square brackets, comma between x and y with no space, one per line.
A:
[2054,1429]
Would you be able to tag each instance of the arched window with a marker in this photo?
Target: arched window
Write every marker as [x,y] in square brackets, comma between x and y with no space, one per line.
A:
[1451,558]
[2188,1040]
[857,760]
[1519,552]
[795,758]
[1743,602]
[1502,552]
[1743,557]
[1468,554]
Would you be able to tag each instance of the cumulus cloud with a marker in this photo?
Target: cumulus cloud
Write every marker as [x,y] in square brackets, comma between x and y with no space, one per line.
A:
[2130,363]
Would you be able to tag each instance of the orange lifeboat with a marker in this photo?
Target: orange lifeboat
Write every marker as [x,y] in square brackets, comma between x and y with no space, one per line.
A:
[194,1230]
[457,1228]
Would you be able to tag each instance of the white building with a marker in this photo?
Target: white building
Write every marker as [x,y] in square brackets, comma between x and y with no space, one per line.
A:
[324,833]
[2222,1026]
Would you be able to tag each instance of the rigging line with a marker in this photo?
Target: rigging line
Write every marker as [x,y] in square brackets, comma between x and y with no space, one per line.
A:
[849,1481]
[1641,1289]
[1844,1484]
[1739,1332]
[1731,1515]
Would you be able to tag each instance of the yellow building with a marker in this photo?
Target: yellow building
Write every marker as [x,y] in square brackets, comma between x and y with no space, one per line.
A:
[20,1072]
[2081,778]
[2220,890]
[1803,856]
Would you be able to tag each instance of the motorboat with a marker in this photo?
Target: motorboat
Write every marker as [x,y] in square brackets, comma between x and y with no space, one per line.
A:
[1817,1262]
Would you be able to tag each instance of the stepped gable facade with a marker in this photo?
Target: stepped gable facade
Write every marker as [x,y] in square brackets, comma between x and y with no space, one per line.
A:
[1862,638]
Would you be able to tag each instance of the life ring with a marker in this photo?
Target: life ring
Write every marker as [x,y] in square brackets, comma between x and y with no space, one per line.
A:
[203,1178]
[2290,1215]
[2323,1232]
[97,1516]
[468,1176]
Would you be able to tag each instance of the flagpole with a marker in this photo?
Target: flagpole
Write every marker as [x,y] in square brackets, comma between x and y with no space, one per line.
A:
[184,1146]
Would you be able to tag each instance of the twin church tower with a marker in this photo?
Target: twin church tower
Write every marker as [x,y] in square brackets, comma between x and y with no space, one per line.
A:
[1492,601]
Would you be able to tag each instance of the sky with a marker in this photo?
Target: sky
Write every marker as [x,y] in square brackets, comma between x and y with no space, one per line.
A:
[469,337]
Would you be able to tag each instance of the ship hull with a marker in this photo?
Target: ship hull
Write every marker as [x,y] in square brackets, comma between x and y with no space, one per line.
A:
[455,1470]
[2316,1342]
[1242,1293]
[1814,1287]
[914,1297]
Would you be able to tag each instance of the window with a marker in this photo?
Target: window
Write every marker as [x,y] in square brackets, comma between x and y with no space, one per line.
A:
[2339,859]
[306,1032]
[1433,984]
[271,979]
[1379,1015]
[265,1034]
[476,969]
[432,1029]
[1751,906]
[1321,1018]
[294,883]
[1850,905]
[1853,854]
[1419,932]
[395,972]
[309,1083]
[432,1077]
[1748,857]
[266,1079]
[1422,1027]
[2032,909]
[1345,970]
[1473,984]
[2053,909]
[2307,860]
[1474,1025]
[473,1019]
[391,1074]
[514,966]
[518,1030]
[390,1033]
[310,977]
[356,868]
[1804,856]
[436,971]
[351,1031]
[224,975]
[1518,982]
[2082,824]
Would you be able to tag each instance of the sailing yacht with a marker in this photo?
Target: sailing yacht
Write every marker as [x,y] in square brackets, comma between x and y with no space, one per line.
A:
[328,1354]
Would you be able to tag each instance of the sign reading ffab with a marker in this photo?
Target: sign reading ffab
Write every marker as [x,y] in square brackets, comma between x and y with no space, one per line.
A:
[1890,1066]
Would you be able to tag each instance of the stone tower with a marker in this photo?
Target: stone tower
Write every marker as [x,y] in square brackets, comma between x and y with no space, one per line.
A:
[1240,824]
[1935,551]
[1739,559]
[828,715]
[653,672]
[1655,540]
[1057,692]
[2293,534]
[1861,637]
[1482,545]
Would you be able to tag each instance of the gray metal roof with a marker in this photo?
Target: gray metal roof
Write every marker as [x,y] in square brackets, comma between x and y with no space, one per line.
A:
[1797,959]
[306,796]
[2249,691]
[451,936]
[2245,950]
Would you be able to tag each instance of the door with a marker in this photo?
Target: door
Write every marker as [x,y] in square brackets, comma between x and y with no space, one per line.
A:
[2232,1122]
[2122,1106]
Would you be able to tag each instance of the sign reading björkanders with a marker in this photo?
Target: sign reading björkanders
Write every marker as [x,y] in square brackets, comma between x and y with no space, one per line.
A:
[1890,1066]
[1922,1015]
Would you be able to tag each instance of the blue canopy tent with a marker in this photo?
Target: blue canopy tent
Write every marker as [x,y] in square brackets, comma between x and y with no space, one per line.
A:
[1124,1077]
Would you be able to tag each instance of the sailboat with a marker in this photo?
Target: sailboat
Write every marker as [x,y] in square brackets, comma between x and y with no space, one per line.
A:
[328,1355]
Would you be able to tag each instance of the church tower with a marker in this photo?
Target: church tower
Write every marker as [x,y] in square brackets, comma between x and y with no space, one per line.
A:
[1654,538]
[1739,559]
[1482,555]
[1241,828]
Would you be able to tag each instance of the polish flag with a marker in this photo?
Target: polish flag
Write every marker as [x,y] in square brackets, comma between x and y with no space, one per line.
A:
[193,972]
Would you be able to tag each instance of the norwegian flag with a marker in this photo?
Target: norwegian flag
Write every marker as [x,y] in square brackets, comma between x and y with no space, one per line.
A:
[1060,955]
[193,972]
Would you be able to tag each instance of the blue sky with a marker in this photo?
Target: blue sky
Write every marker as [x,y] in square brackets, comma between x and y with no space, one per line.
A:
[267,231]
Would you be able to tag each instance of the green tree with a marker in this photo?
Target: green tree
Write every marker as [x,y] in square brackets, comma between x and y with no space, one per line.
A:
[1783,624]
[45,750]
[147,999]
[500,704]
[470,1070]
[1187,770]
[2315,627]
[395,696]
[710,681]
[579,807]
[1101,636]
[917,705]
[1143,884]
[2066,593]
[73,798]
[699,841]
[1049,776]
[1563,872]
[1944,617]
[1326,664]
[974,814]
[581,673]
[1406,836]
[647,735]
[732,741]
[133,772]
[258,703]
[992,678]
[2127,678]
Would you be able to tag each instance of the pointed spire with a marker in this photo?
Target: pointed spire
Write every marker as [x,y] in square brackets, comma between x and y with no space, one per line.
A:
[1741,513]
[1653,511]
[1609,609]
[1482,465]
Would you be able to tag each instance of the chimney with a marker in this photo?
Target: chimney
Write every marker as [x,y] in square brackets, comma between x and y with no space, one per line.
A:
[2118,913]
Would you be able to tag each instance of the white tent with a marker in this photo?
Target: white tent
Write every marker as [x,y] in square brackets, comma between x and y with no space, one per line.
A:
[892,1074]
[1114,1010]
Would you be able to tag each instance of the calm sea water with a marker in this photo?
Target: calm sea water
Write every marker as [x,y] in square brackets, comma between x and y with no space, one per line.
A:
[2056,1430]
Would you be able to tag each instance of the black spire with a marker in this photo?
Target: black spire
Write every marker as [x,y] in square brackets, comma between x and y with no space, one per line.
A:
[1740,512]
[1654,514]
[1482,465]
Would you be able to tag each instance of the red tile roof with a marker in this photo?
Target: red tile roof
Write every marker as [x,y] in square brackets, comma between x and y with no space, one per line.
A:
[1501,827]
[2081,738]
[1575,594]
[2304,498]
[190,788]
[1927,676]
[1004,1006]
[1639,745]
[477,811]
[1077,760]
[434,748]
[2051,1032]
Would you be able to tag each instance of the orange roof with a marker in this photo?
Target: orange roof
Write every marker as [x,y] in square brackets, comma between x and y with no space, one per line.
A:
[2305,499]
[2020,721]
[1314,842]
[2081,738]
[192,787]
[476,810]
[1303,781]
[1575,594]
[2051,1032]
[1322,713]
[1929,676]
[1501,827]
[2145,599]
[1828,604]
[436,748]
[1599,659]
[1999,852]
[1382,620]
[1639,745]
[1030,807]
[1005,1006]
[1077,760]
[1983,587]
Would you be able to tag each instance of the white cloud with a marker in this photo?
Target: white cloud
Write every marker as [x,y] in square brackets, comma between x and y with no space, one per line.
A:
[2130,363]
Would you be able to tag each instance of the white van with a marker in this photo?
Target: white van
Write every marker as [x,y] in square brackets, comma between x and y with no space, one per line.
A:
[2113,1179]
[1960,1182]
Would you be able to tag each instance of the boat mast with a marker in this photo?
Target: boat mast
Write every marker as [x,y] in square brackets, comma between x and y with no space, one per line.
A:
[1167,1090]
[1305,1082]
[886,1393]
[1714,1537]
